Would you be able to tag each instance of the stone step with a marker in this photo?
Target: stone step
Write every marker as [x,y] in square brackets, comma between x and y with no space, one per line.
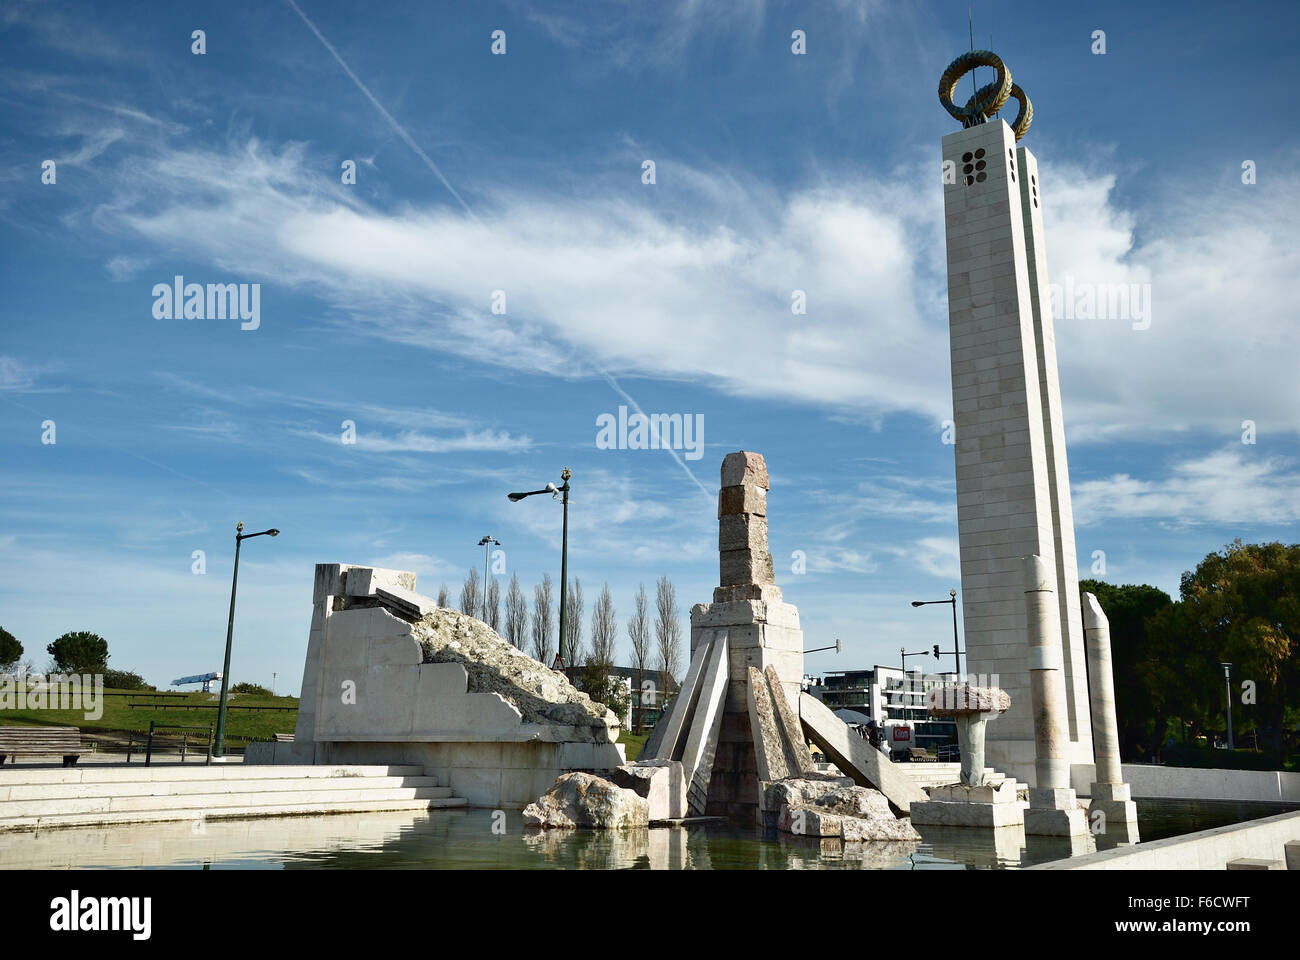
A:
[11,775]
[160,788]
[206,803]
[371,805]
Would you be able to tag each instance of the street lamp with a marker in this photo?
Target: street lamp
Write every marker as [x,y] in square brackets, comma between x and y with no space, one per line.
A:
[487,543]
[564,551]
[835,646]
[218,748]
[1227,680]
[956,647]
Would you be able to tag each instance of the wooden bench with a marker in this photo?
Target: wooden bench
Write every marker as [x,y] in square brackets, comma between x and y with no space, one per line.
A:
[284,738]
[41,741]
[919,755]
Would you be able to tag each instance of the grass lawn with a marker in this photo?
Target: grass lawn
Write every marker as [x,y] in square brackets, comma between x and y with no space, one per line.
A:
[633,742]
[118,718]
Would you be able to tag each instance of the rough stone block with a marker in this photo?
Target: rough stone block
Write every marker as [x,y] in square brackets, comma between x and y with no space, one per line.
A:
[767,592]
[661,782]
[744,467]
[745,566]
[746,498]
[742,532]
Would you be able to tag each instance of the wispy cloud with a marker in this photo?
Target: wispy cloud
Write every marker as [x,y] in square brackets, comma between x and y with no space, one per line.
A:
[1230,487]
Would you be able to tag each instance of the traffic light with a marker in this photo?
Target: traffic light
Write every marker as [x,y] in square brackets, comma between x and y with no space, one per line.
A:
[936,651]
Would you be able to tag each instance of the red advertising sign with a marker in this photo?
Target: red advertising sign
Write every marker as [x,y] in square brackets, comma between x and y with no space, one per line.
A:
[902,733]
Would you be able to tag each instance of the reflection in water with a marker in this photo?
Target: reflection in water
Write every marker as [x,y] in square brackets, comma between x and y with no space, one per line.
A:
[465,839]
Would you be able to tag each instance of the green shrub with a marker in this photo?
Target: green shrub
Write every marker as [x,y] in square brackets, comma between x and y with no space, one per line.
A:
[125,680]
[251,688]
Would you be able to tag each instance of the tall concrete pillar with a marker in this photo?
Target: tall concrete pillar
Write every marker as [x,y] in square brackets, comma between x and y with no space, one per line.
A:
[1013,483]
[1053,807]
[1110,794]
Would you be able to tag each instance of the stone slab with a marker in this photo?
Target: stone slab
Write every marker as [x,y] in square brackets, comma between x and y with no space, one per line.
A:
[855,756]
[950,814]
[706,720]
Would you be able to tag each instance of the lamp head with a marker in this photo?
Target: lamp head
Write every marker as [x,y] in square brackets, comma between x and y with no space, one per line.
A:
[516,497]
[273,532]
[918,603]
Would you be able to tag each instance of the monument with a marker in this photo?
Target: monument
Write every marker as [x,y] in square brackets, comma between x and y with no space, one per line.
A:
[1013,490]
[740,724]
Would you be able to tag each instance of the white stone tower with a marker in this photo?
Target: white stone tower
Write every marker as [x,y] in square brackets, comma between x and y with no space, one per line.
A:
[1013,489]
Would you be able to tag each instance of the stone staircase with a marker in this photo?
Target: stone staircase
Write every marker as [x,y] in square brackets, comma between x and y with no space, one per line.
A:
[926,775]
[44,797]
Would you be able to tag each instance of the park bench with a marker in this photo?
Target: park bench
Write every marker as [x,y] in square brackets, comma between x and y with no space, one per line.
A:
[284,738]
[41,741]
[919,755]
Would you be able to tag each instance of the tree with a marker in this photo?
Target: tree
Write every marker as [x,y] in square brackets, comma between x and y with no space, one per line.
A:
[542,620]
[1242,606]
[667,631]
[11,651]
[1128,608]
[442,596]
[604,630]
[79,652]
[471,599]
[573,625]
[516,613]
[603,687]
[494,605]
[638,632]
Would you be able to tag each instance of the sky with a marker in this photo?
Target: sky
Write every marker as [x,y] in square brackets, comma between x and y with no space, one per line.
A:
[500,275]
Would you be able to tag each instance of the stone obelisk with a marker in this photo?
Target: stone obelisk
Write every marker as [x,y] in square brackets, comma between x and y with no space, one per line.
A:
[762,629]
[1109,793]
[1013,491]
[1053,806]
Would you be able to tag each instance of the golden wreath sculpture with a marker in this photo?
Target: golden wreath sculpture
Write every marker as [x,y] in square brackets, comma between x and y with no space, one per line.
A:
[990,98]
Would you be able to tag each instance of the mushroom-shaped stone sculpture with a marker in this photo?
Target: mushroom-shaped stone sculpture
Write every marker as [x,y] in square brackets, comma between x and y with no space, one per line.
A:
[971,707]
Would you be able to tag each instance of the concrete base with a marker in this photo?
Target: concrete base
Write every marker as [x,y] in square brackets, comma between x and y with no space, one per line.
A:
[1118,812]
[957,805]
[1050,822]
[1054,812]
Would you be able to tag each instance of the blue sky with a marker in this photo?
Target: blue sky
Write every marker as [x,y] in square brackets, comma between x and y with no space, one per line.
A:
[522,173]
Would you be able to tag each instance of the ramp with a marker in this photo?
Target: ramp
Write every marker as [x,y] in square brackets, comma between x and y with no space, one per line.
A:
[856,757]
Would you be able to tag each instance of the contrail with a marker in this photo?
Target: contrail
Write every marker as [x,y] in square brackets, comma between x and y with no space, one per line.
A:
[671,452]
[428,162]
[400,130]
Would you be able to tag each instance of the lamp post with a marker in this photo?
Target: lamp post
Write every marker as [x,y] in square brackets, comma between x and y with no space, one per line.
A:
[219,746]
[561,492]
[835,646]
[956,647]
[1227,681]
[487,543]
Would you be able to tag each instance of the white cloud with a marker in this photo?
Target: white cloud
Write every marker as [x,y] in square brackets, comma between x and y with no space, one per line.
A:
[15,375]
[1229,487]
[1221,347]
[697,285]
